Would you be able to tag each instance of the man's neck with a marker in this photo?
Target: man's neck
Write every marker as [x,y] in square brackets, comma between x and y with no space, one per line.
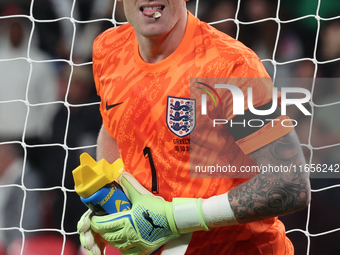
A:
[156,49]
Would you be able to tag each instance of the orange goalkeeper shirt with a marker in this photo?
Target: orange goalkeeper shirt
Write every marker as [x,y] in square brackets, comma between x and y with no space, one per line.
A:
[136,100]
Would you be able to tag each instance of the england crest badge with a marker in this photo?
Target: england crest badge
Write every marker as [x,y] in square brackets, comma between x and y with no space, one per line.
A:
[181,115]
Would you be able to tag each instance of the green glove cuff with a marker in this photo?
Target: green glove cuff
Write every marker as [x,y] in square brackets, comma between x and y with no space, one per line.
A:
[188,215]
[171,219]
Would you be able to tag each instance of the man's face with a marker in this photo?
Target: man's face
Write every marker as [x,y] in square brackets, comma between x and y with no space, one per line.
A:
[139,14]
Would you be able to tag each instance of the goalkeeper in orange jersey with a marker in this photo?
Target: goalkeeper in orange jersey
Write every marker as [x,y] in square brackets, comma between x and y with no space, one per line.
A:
[142,72]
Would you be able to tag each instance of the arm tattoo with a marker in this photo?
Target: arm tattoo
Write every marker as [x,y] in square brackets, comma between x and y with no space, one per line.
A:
[272,194]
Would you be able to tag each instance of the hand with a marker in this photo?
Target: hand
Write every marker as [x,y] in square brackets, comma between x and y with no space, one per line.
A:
[150,223]
[143,229]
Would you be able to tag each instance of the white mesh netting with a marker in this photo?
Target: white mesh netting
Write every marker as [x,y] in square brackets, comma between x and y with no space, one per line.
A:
[49,109]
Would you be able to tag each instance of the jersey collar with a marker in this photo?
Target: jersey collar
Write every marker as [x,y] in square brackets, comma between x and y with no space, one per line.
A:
[175,57]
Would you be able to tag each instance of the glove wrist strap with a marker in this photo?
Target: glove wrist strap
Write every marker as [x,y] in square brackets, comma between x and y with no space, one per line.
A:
[188,215]
[217,211]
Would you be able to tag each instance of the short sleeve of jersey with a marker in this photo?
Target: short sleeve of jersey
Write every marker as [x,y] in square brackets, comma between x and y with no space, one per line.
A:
[110,40]
[249,72]
[98,59]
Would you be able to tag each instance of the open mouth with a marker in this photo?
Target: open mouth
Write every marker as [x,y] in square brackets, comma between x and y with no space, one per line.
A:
[149,11]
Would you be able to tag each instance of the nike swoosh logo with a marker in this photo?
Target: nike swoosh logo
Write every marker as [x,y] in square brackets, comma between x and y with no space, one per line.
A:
[109,107]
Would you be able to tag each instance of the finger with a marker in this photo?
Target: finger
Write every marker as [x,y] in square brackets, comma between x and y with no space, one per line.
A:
[129,188]
[109,223]
[87,239]
[122,245]
[125,234]
[125,239]
[84,222]
[133,189]
[96,250]
[89,252]
[137,186]
[118,236]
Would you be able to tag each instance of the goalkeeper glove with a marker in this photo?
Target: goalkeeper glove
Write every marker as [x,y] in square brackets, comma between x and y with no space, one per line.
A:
[150,223]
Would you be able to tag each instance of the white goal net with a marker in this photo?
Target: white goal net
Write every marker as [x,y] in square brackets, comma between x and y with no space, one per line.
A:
[49,110]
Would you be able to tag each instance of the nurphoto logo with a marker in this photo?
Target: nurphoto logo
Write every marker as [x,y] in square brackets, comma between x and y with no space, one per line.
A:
[239,102]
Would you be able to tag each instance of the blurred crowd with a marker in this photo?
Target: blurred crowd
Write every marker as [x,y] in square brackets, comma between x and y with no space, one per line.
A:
[49,108]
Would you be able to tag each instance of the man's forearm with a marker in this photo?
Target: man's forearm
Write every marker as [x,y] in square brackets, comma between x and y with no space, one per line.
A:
[272,194]
[107,147]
